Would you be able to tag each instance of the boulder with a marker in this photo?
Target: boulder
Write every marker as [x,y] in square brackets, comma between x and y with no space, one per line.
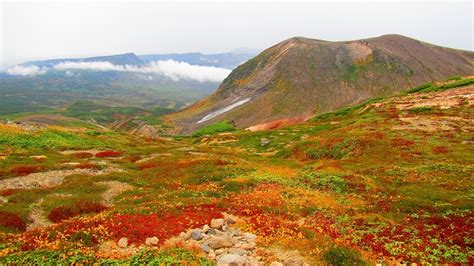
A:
[123,242]
[238,251]
[249,237]
[217,223]
[196,234]
[220,242]
[205,247]
[151,241]
[231,259]
[205,228]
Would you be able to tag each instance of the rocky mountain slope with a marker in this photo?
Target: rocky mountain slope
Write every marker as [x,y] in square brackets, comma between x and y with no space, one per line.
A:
[302,77]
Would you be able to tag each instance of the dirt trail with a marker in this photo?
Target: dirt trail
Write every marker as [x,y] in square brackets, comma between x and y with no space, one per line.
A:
[49,179]
[38,217]
[114,188]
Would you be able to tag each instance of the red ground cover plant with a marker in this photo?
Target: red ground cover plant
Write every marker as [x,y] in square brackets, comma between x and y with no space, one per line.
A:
[147,165]
[87,166]
[22,170]
[108,153]
[439,149]
[83,155]
[12,220]
[137,227]
[8,192]
[399,142]
[133,158]
[61,213]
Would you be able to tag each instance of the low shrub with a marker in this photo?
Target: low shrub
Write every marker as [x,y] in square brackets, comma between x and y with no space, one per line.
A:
[342,256]
[420,110]
[83,155]
[317,180]
[147,165]
[222,126]
[331,151]
[108,153]
[439,149]
[61,213]
[88,166]
[22,170]
[12,220]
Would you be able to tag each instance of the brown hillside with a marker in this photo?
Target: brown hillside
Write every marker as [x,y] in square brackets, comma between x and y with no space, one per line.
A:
[302,77]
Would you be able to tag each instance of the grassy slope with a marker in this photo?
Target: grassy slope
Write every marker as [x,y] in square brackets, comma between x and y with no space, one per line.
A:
[348,177]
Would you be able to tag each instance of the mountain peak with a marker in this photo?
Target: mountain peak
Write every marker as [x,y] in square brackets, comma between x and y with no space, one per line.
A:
[302,77]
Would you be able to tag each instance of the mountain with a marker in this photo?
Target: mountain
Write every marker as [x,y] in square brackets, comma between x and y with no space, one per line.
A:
[300,77]
[225,60]
[119,59]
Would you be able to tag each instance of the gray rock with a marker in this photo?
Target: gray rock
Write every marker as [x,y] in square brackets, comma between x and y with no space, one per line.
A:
[264,141]
[196,234]
[211,231]
[205,247]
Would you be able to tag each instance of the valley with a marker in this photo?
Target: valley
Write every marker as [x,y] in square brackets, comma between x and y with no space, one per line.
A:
[387,180]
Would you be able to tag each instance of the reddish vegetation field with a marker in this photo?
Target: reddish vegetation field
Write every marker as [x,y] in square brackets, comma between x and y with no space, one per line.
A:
[362,185]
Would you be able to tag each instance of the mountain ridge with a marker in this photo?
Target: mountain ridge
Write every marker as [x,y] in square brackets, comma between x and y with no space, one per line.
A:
[304,77]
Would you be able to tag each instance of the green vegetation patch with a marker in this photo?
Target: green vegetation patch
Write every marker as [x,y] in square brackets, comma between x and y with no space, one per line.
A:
[222,126]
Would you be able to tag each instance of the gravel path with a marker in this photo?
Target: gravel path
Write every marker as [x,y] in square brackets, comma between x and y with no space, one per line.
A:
[38,217]
[48,179]
[114,188]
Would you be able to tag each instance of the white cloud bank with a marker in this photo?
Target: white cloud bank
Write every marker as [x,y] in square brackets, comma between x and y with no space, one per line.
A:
[25,70]
[169,68]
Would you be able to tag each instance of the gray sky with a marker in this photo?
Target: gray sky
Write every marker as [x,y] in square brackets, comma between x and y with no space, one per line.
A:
[42,30]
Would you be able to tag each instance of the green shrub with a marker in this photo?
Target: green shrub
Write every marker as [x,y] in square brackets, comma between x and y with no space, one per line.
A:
[336,151]
[420,110]
[317,180]
[222,126]
[420,87]
[342,256]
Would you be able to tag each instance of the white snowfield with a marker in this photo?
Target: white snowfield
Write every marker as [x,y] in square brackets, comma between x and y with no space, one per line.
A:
[223,110]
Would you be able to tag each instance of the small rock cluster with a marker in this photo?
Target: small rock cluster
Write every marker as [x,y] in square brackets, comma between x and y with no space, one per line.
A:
[223,243]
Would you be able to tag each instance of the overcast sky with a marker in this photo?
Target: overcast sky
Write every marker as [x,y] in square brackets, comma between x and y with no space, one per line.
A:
[42,30]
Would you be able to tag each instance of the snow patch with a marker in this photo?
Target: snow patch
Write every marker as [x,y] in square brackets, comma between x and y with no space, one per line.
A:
[223,110]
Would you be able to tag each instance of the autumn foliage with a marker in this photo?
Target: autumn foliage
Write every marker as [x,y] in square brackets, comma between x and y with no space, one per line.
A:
[61,213]
[22,170]
[108,153]
[12,221]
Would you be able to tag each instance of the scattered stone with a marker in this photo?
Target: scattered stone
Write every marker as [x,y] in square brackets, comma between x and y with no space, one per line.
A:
[217,223]
[249,236]
[264,141]
[38,157]
[123,242]
[220,242]
[205,247]
[205,228]
[211,254]
[152,241]
[237,251]
[248,246]
[212,231]
[231,259]
[196,234]
[220,251]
